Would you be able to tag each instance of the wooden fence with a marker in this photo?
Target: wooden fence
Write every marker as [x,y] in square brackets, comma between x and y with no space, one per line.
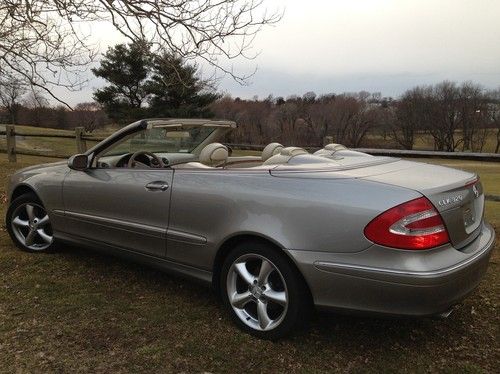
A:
[81,138]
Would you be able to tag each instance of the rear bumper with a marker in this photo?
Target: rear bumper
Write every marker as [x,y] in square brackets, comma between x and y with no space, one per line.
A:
[384,280]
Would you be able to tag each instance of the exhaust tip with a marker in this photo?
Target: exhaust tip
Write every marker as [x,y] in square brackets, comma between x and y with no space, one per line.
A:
[445,314]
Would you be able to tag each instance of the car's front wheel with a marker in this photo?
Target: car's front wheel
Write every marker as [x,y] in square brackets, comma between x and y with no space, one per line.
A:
[29,225]
[263,291]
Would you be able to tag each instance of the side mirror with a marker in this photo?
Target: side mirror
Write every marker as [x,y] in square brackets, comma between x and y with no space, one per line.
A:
[78,162]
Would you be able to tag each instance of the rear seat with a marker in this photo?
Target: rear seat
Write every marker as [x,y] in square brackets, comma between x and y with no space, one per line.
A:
[285,155]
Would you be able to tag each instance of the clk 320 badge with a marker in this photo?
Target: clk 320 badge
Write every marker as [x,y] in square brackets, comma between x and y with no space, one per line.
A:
[450,200]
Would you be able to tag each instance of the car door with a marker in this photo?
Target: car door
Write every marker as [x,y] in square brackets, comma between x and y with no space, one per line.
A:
[123,207]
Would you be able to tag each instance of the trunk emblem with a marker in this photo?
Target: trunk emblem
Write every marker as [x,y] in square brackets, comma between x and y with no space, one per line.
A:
[450,200]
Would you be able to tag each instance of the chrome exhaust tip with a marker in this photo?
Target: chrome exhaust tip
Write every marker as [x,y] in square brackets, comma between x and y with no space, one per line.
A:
[445,314]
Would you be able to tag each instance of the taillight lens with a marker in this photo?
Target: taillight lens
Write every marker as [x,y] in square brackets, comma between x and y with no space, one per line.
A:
[415,224]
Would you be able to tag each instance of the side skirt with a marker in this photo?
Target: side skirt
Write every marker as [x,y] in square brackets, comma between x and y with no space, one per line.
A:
[162,264]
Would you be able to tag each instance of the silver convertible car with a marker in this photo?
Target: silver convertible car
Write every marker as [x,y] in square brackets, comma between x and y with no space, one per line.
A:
[274,234]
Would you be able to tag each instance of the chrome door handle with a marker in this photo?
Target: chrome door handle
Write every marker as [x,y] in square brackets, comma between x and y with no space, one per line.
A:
[157,186]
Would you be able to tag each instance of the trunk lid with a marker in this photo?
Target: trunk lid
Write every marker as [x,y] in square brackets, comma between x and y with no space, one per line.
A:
[456,194]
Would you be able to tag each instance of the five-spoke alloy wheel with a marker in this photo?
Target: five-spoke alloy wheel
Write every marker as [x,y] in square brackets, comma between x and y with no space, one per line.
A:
[263,291]
[259,300]
[29,225]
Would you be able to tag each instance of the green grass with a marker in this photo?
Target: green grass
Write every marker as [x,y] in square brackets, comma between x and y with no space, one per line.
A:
[79,311]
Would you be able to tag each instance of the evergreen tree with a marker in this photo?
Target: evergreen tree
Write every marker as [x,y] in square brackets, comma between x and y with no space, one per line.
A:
[144,84]
[126,69]
[177,90]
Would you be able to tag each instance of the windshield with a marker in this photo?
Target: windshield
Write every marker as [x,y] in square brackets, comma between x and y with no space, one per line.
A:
[161,140]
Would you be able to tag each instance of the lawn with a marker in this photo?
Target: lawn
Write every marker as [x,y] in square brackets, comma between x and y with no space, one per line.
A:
[425,141]
[79,311]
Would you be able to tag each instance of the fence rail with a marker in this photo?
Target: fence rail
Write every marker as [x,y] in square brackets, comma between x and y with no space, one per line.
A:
[13,150]
[81,139]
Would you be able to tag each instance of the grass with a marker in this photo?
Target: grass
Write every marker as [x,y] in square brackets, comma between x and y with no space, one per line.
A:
[425,141]
[80,311]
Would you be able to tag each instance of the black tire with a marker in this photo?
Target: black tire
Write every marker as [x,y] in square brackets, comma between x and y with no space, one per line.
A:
[12,211]
[294,316]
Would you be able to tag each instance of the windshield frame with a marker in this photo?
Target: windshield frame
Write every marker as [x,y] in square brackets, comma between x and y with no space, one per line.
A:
[221,127]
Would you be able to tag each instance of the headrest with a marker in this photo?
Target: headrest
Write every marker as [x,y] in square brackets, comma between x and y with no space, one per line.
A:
[285,155]
[293,151]
[214,153]
[330,148]
[271,150]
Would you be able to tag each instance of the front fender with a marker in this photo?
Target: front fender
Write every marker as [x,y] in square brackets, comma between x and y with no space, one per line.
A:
[46,182]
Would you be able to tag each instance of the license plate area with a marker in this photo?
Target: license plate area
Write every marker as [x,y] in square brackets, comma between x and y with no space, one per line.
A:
[473,210]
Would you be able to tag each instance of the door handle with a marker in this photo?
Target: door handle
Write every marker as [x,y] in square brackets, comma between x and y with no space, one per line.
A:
[157,186]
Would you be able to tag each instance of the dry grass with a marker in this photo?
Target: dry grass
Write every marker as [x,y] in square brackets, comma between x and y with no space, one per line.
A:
[424,142]
[78,311]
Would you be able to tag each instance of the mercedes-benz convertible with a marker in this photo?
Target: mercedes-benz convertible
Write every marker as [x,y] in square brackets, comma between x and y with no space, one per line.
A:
[274,234]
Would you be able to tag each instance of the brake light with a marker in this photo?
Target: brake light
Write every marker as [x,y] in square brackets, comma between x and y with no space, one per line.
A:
[415,224]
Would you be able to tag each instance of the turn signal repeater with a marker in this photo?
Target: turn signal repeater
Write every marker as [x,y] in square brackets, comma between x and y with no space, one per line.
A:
[413,225]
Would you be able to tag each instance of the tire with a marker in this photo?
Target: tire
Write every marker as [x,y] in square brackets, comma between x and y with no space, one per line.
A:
[279,293]
[29,225]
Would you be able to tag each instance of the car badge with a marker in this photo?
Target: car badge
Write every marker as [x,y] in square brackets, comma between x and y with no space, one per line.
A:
[450,200]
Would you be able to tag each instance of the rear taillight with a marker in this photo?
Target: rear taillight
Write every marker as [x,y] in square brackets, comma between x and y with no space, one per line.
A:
[415,224]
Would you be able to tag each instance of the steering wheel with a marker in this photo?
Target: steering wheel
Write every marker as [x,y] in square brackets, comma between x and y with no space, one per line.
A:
[132,162]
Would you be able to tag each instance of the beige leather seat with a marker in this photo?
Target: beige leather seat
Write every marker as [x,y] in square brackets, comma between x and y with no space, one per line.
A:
[270,150]
[330,149]
[285,155]
[214,154]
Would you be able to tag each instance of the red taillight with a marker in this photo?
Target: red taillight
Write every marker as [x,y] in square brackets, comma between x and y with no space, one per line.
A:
[415,224]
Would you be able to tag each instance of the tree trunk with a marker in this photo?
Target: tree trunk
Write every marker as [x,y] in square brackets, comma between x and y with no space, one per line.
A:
[497,148]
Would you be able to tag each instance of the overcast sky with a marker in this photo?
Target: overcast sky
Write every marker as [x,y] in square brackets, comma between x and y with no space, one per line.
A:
[375,45]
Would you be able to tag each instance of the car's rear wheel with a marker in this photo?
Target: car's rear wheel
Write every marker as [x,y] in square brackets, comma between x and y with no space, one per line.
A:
[263,291]
[29,225]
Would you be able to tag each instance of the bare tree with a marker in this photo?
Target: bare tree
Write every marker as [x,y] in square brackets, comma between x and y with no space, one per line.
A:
[411,115]
[11,90]
[37,103]
[44,42]
[497,125]
[494,115]
[474,113]
[287,116]
[445,116]
[90,116]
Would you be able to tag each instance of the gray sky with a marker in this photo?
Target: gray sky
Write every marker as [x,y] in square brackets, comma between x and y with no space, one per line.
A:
[375,45]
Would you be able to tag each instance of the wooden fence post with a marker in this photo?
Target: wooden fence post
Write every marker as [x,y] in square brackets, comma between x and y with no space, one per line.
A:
[327,140]
[10,135]
[81,144]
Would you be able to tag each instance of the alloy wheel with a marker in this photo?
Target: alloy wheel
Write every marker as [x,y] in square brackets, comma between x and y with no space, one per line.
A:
[257,292]
[31,226]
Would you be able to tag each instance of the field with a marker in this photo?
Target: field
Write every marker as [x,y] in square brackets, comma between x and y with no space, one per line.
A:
[424,141]
[79,311]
